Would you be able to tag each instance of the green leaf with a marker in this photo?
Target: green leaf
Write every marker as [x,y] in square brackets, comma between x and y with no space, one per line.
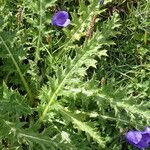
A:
[83,127]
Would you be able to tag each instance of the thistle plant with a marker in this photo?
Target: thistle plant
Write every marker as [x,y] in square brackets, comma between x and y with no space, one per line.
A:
[69,79]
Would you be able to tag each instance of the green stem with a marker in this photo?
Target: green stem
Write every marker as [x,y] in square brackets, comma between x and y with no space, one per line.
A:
[39,35]
[57,91]
[18,70]
[53,98]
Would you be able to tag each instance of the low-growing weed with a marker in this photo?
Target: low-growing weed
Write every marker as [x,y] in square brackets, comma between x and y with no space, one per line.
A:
[80,85]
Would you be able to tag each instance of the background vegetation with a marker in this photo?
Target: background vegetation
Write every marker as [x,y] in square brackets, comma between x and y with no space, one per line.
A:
[63,90]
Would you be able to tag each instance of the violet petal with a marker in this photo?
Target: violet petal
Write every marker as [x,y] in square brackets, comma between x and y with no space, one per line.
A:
[134,136]
[61,19]
[139,139]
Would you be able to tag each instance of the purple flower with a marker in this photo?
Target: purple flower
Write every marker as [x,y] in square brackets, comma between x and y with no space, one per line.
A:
[61,19]
[140,139]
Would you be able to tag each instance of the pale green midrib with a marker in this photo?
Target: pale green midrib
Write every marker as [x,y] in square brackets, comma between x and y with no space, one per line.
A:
[109,118]
[129,108]
[33,137]
[114,119]
[20,133]
[59,87]
[77,122]
[54,95]
[18,70]
[132,109]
